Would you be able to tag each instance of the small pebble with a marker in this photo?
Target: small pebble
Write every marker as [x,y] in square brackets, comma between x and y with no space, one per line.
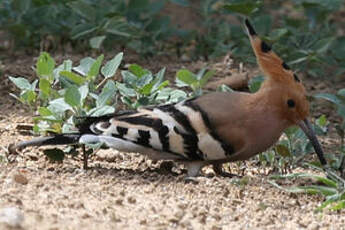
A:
[20,178]
[132,200]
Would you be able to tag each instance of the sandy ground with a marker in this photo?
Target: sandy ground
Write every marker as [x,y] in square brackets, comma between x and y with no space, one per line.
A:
[127,191]
[132,194]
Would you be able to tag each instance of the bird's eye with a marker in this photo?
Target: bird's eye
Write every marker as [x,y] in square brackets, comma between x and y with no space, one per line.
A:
[291,103]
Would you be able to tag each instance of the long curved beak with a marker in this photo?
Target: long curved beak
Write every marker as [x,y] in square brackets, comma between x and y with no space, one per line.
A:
[309,132]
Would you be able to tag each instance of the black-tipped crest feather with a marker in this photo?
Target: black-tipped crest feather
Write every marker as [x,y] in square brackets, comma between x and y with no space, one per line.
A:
[250,28]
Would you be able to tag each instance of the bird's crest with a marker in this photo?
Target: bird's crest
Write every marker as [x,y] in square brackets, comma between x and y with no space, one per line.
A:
[269,62]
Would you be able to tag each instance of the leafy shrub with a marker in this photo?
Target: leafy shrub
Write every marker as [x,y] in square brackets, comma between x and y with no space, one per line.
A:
[185,78]
[306,39]
[142,88]
[135,23]
[63,93]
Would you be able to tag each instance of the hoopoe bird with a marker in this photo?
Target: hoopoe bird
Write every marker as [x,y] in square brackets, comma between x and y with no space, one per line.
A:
[211,129]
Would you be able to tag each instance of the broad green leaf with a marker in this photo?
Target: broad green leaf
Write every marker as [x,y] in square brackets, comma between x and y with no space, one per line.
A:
[254,83]
[146,90]
[144,80]
[45,65]
[59,106]
[85,65]
[128,77]
[66,65]
[338,206]
[322,45]
[21,83]
[73,97]
[83,90]
[186,76]
[207,77]
[109,69]
[160,76]
[43,111]
[158,83]
[163,84]
[107,93]
[341,92]
[137,70]
[200,73]
[96,112]
[329,97]
[84,9]
[96,42]
[246,7]
[50,118]
[75,78]
[28,96]
[177,95]
[124,90]
[322,120]
[283,150]
[45,87]
[33,85]
[94,70]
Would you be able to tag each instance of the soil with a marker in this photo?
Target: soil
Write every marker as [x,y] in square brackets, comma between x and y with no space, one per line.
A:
[128,191]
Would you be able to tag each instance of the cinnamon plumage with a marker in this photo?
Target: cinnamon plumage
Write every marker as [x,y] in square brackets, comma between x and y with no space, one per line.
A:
[212,129]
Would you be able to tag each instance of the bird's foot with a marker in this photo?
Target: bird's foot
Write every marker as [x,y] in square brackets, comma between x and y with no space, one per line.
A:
[218,169]
[193,171]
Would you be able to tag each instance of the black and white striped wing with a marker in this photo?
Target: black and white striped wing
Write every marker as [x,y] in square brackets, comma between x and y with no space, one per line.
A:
[180,131]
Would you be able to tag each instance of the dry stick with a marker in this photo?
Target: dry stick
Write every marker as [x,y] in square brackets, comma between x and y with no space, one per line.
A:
[85,157]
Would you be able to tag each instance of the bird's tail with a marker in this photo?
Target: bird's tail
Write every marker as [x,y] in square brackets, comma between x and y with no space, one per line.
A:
[60,139]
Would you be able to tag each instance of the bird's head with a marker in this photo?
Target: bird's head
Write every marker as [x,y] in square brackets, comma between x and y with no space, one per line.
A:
[288,94]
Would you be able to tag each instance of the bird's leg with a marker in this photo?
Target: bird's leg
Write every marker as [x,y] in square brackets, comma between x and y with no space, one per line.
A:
[218,169]
[193,170]
[85,157]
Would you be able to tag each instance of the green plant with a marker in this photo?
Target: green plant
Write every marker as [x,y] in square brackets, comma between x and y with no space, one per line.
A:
[331,188]
[141,88]
[306,42]
[137,24]
[62,95]
[185,78]
[65,92]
